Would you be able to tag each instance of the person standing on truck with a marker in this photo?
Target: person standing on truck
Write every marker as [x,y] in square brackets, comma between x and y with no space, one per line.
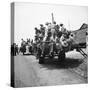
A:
[37,31]
[53,31]
[51,35]
[47,35]
[42,33]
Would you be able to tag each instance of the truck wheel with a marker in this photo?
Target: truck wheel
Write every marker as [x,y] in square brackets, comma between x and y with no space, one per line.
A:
[52,55]
[41,60]
[61,56]
[23,53]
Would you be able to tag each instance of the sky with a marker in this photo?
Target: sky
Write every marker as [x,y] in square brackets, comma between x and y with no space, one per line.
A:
[31,15]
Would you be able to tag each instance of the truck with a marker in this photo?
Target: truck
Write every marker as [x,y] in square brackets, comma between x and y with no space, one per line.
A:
[76,40]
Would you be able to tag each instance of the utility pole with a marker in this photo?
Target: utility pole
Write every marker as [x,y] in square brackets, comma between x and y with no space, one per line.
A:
[52,18]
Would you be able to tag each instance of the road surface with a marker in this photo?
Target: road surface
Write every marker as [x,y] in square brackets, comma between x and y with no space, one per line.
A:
[29,73]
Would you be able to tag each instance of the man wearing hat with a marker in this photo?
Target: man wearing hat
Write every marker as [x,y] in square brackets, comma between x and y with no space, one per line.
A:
[62,29]
[42,29]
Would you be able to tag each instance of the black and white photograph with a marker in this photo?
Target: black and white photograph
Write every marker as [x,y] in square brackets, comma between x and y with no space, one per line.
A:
[49,44]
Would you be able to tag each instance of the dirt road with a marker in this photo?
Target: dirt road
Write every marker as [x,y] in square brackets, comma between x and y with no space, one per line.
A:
[28,72]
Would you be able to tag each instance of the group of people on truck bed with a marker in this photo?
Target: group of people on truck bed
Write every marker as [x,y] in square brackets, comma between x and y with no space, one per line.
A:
[54,33]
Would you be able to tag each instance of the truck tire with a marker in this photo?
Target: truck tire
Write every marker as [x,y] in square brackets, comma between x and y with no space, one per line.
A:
[52,55]
[61,56]
[23,53]
[41,60]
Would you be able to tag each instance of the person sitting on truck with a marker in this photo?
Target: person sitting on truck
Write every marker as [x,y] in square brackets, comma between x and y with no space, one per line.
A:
[37,31]
[67,42]
[70,40]
[42,29]
[63,40]
[51,30]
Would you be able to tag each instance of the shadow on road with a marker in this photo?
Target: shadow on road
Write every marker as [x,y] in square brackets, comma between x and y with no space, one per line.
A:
[67,63]
[27,54]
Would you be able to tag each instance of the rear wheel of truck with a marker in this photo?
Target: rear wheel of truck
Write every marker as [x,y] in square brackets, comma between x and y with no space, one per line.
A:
[61,56]
[23,53]
[52,55]
[41,60]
